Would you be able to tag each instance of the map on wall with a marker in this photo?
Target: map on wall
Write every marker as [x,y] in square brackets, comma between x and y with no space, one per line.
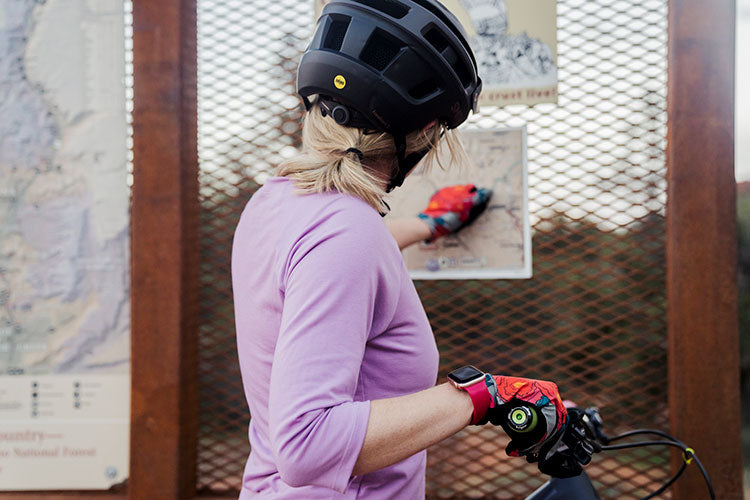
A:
[498,243]
[64,246]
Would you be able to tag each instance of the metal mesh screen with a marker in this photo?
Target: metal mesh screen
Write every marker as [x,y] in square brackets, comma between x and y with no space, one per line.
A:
[591,318]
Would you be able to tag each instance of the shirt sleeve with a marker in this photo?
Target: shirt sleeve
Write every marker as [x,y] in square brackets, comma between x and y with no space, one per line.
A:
[330,288]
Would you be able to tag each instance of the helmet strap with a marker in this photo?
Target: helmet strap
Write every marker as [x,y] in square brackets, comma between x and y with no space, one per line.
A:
[388,207]
[402,169]
[405,162]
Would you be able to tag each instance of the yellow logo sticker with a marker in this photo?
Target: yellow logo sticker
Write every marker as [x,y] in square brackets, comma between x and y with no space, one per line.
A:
[339,81]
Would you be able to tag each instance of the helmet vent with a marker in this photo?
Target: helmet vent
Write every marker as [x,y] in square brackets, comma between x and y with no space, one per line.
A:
[436,39]
[463,74]
[335,34]
[449,20]
[437,11]
[380,50]
[393,8]
[424,89]
[441,44]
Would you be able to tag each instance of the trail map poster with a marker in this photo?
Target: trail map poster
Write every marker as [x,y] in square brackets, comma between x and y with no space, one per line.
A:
[498,243]
[64,246]
[515,44]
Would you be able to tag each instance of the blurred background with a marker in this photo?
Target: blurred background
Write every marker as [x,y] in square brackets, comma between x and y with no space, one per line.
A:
[593,317]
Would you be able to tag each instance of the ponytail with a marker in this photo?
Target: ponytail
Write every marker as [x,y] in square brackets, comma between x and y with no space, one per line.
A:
[338,158]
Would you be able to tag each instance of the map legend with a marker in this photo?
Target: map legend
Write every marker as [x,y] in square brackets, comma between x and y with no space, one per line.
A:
[83,419]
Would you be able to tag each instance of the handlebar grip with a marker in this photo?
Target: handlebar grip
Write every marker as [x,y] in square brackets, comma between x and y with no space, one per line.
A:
[523,419]
[523,423]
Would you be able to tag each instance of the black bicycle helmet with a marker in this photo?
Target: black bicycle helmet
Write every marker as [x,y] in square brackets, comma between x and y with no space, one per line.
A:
[391,66]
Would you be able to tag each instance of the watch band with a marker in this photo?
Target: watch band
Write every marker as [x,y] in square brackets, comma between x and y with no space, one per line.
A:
[481,389]
[480,398]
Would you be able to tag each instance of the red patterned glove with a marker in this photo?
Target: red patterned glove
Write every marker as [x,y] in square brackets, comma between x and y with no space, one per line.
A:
[529,410]
[454,207]
[510,392]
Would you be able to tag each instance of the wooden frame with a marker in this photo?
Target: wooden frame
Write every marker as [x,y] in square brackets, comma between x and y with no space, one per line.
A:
[703,347]
[164,251]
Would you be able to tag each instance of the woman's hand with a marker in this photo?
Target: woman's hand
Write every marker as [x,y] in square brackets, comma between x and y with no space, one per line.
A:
[453,208]
[543,399]
[530,411]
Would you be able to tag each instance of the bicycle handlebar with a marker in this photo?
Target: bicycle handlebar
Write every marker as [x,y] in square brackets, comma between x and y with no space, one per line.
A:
[583,436]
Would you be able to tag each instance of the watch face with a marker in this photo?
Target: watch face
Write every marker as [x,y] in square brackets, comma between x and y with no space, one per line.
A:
[465,374]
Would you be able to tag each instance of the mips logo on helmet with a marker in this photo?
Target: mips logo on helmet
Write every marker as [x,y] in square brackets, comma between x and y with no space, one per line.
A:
[339,81]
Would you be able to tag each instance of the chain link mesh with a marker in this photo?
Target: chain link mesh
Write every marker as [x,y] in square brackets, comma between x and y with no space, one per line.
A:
[593,317]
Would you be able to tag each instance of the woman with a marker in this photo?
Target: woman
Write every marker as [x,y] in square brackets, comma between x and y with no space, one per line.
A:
[337,356]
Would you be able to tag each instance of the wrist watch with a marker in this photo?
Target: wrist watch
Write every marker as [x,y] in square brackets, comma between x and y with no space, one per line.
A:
[470,379]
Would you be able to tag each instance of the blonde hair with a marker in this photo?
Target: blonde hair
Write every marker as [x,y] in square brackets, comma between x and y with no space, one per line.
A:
[324,163]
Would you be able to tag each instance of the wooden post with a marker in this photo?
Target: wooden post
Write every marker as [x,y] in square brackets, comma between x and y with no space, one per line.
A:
[164,251]
[702,245]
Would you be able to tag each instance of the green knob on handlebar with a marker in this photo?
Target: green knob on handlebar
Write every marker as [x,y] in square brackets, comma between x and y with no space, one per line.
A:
[522,419]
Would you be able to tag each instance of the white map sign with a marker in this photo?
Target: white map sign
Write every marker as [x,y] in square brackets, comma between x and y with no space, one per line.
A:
[498,243]
[64,246]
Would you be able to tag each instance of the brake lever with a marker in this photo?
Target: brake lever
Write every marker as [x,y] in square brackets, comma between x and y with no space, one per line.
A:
[594,425]
[581,438]
[581,448]
[575,450]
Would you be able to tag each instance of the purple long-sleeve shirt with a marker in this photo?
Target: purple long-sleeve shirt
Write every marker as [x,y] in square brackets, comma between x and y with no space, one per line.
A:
[327,321]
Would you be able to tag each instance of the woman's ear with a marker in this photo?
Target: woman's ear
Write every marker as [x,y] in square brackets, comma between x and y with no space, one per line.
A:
[429,126]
